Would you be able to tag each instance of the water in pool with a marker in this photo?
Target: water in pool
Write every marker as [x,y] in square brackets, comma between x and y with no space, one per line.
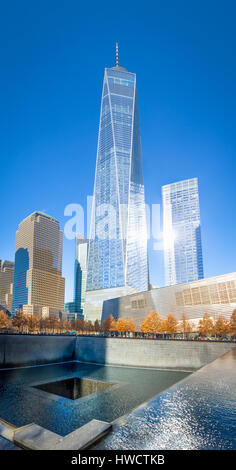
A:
[44,395]
[196,413]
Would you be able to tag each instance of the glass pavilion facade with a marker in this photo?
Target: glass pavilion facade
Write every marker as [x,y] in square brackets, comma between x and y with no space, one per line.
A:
[182,232]
[117,255]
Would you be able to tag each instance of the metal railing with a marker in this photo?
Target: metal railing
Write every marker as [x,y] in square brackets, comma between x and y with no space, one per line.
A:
[135,335]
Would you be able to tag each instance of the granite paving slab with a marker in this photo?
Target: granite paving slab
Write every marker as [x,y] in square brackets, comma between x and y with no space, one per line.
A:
[36,437]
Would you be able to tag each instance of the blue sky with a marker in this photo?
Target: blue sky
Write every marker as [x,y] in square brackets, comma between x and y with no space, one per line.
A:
[52,60]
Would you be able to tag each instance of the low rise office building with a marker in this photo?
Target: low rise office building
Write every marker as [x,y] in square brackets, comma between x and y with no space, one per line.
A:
[215,295]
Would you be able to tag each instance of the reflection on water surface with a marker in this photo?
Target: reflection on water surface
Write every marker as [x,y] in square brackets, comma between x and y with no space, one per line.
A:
[22,403]
[197,413]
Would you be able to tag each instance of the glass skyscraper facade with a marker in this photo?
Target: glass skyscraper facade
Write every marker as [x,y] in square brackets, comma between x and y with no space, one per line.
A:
[75,309]
[117,254]
[182,232]
[81,256]
[6,284]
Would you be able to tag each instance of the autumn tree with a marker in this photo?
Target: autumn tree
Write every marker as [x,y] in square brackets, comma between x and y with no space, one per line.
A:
[88,326]
[109,324]
[171,324]
[25,321]
[121,325]
[51,324]
[46,323]
[185,326]
[152,323]
[66,325]
[55,323]
[206,325]
[130,325]
[232,323]
[79,325]
[221,326]
[43,324]
[125,325]
[33,322]
[96,326]
[4,320]
[20,320]
[17,319]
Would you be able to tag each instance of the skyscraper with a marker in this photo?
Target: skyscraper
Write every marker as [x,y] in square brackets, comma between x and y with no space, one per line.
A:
[182,232]
[81,255]
[75,309]
[37,281]
[6,284]
[117,257]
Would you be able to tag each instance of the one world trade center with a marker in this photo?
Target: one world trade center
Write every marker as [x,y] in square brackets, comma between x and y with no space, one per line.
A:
[117,256]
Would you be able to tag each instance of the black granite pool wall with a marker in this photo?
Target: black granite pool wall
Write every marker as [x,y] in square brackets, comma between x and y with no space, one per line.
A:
[21,350]
[166,354]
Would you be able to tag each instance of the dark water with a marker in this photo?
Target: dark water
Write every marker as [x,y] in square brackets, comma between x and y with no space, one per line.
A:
[21,403]
[197,413]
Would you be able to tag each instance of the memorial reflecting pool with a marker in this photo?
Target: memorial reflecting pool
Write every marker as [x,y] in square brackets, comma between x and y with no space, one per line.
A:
[47,395]
[197,413]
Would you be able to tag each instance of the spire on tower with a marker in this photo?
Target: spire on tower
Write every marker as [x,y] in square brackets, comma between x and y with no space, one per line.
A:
[117,55]
[117,66]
